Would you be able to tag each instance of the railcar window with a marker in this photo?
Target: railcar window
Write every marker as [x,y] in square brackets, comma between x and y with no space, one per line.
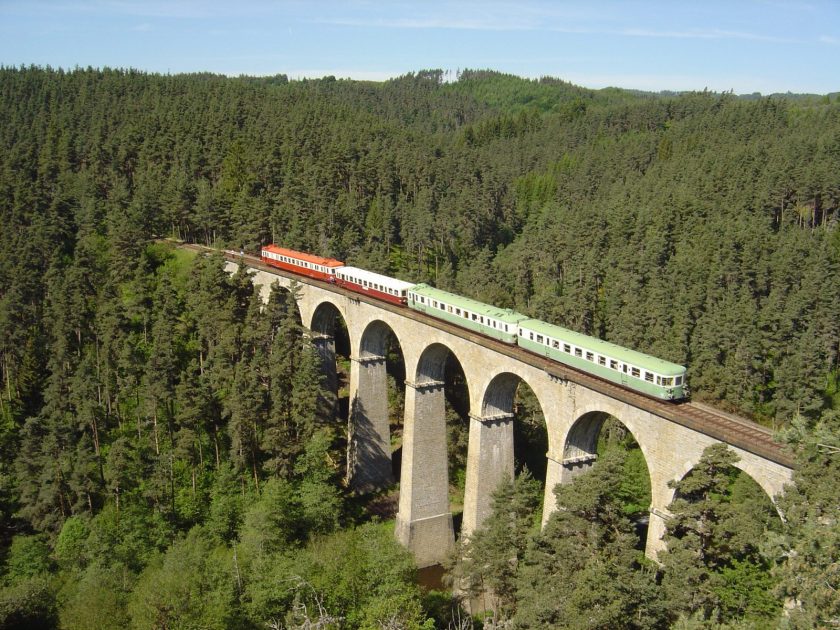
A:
[590,356]
[506,327]
[613,364]
[602,360]
[555,343]
[667,380]
[531,336]
[567,348]
[457,311]
[443,306]
[678,380]
[474,317]
[634,372]
[578,352]
[539,338]
[649,377]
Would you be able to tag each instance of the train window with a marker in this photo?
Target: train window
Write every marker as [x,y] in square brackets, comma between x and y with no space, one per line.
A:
[531,336]
[602,360]
[649,377]
[474,317]
[422,300]
[578,352]
[443,307]
[555,343]
[506,327]
[613,364]
[539,338]
[667,381]
[634,371]
[678,380]
[457,311]
[449,308]
[567,348]
[659,380]
[590,356]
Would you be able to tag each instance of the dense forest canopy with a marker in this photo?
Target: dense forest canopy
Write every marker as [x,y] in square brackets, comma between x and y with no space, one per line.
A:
[146,395]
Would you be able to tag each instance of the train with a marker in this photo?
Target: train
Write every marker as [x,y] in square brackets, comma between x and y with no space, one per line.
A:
[640,372]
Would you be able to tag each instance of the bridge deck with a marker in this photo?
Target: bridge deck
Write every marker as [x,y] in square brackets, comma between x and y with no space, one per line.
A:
[726,427]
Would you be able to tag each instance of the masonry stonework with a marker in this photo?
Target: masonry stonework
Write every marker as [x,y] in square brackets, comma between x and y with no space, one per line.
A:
[573,413]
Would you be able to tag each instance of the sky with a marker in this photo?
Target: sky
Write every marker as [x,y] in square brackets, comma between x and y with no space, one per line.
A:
[746,46]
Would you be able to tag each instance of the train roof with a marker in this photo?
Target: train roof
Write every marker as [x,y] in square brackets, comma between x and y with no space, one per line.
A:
[488,310]
[370,276]
[605,348]
[310,258]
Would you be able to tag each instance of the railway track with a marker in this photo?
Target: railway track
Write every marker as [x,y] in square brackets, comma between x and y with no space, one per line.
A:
[726,427]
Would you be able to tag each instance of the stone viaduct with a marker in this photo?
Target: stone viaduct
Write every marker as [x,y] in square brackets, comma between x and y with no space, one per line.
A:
[670,438]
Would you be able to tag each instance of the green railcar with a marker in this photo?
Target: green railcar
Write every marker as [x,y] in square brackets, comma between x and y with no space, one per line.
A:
[629,368]
[499,323]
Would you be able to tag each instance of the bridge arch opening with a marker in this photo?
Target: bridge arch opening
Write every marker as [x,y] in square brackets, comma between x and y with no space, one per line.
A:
[328,330]
[719,517]
[377,404]
[592,435]
[507,435]
[434,454]
[508,395]
[739,489]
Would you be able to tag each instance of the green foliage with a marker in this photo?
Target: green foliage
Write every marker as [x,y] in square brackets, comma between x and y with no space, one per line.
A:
[28,557]
[713,567]
[97,598]
[194,584]
[486,564]
[29,603]
[144,392]
[585,558]
[811,544]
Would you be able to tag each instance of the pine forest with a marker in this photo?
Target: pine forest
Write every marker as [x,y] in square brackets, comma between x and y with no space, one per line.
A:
[171,456]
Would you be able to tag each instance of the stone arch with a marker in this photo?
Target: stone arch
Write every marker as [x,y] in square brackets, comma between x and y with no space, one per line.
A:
[582,438]
[431,367]
[424,522]
[491,456]
[325,330]
[498,395]
[745,468]
[580,451]
[324,318]
[374,339]
[370,463]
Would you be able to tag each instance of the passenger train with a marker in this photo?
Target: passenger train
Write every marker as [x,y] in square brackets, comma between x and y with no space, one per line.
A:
[635,370]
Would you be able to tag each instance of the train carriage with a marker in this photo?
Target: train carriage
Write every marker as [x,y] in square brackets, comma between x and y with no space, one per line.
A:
[373,284]
[499,323]
[639,371]
[302,263]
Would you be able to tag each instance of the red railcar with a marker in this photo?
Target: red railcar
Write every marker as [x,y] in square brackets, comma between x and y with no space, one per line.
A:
[301,263]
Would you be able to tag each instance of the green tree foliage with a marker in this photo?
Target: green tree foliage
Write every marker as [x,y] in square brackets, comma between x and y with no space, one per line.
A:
[144,394]
[809,578]
[713,568]
[486,564]
[583,571]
